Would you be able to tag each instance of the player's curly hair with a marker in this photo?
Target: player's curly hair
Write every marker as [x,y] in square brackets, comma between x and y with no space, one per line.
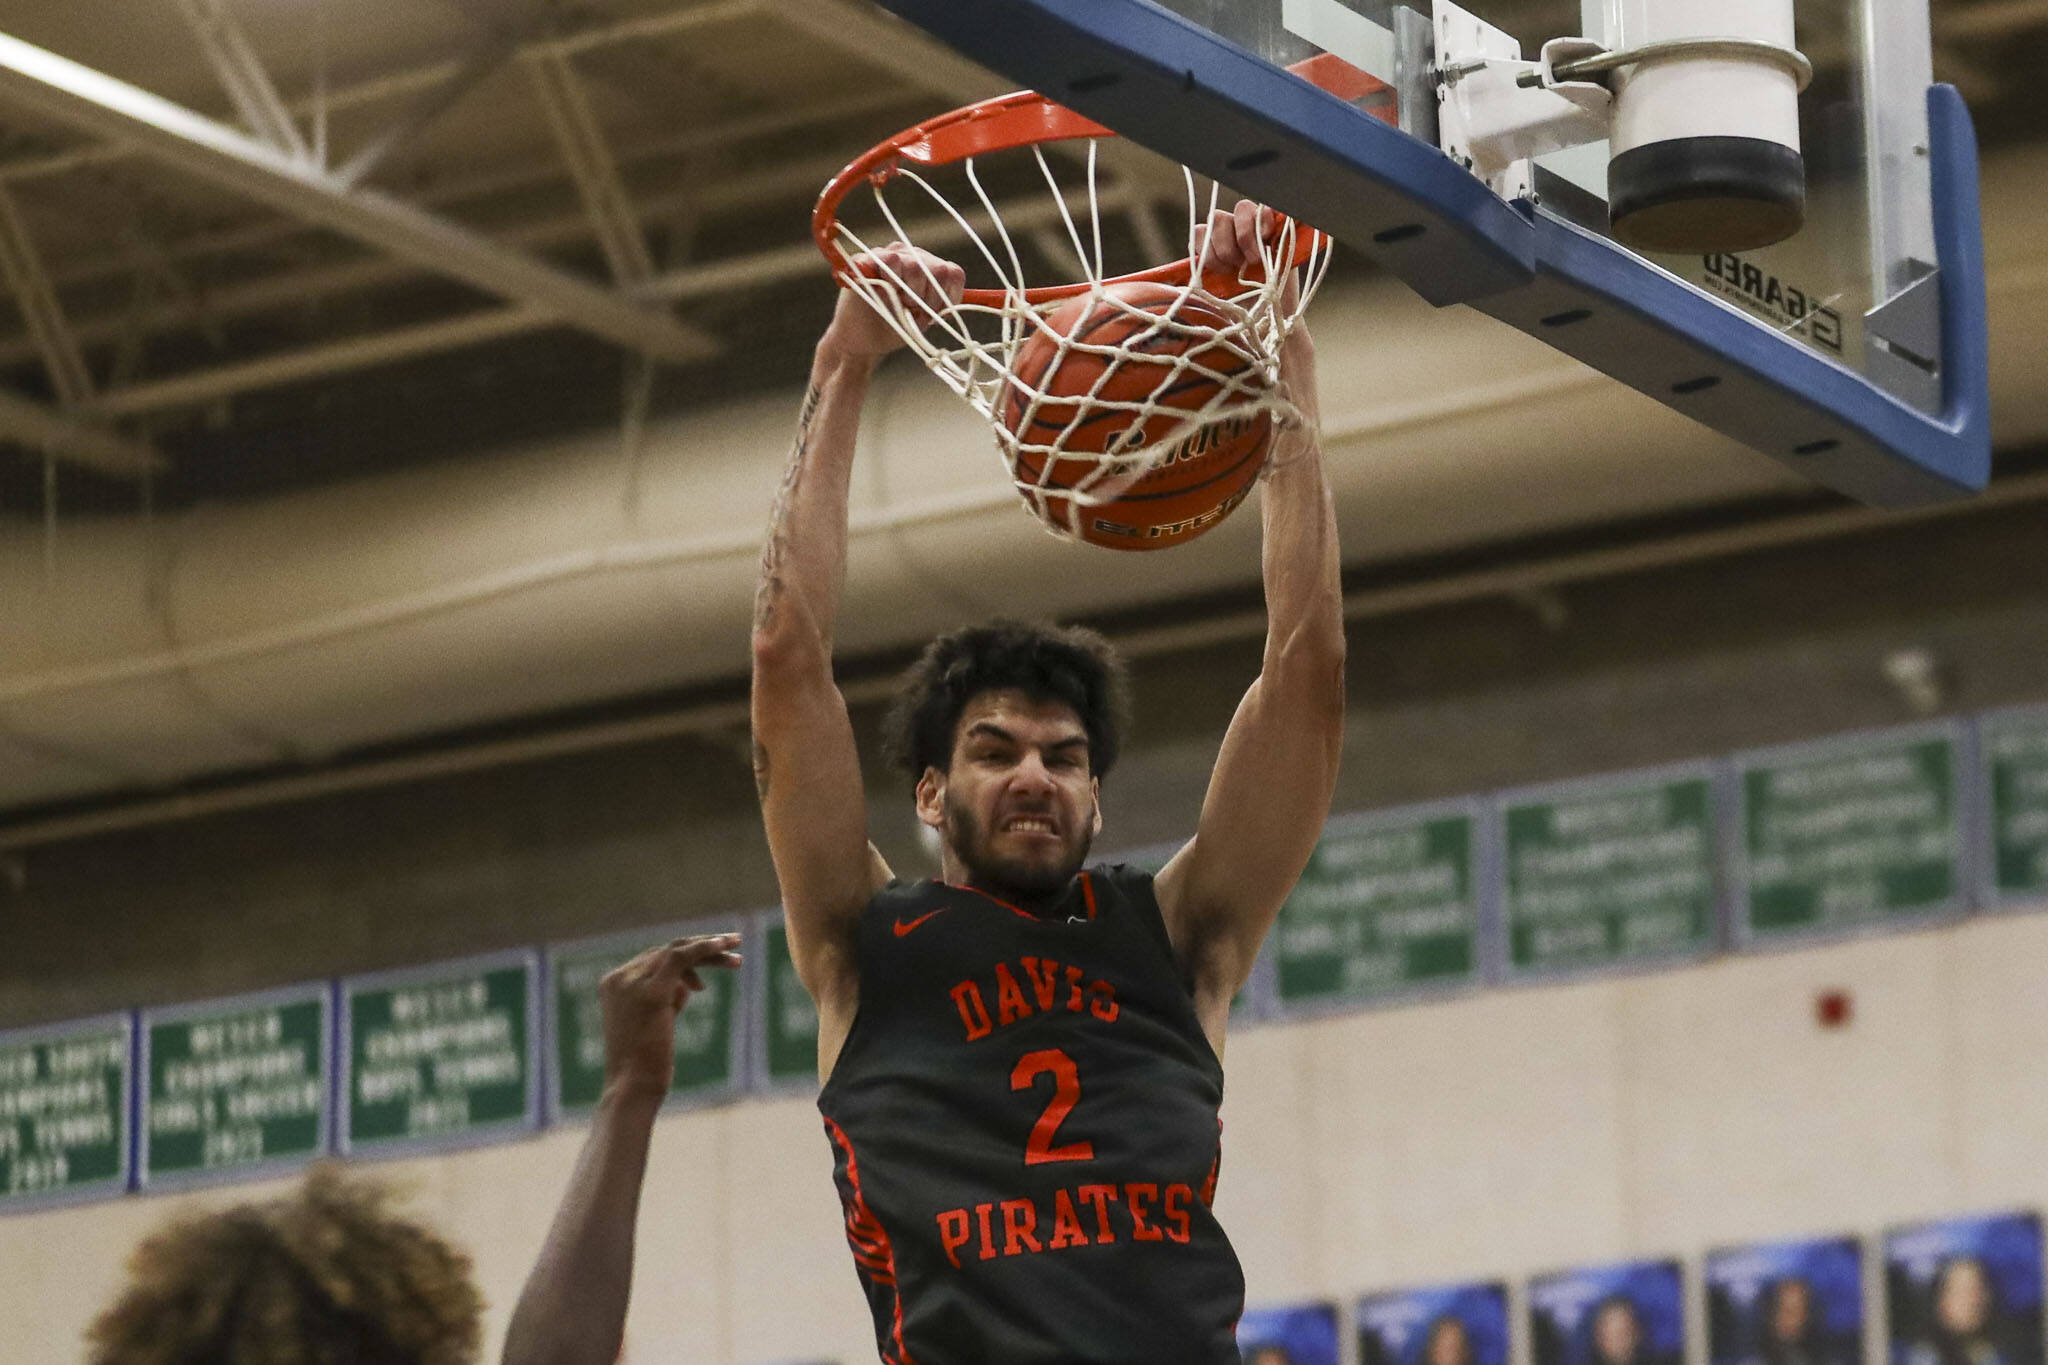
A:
[324,1276]
[1069,664]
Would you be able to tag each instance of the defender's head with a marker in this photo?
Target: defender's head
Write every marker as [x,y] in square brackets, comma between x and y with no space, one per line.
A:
[327,1275]
[1008,729]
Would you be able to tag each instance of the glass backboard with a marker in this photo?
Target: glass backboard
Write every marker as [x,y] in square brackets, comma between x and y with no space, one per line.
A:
[1853,350]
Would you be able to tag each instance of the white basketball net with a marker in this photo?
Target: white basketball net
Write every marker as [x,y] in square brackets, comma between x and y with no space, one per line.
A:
[970,346]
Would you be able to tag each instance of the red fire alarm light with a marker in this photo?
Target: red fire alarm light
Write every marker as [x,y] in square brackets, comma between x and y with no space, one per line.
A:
[1834,1008]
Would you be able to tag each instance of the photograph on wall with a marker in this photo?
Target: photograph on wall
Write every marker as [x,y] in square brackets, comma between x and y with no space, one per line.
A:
[1452,1324]
[1965,1291]
[1632,1313]
[1786,1303]
[1297,1334]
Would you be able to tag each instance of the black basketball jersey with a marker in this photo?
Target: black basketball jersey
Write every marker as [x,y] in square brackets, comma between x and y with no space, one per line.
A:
[1024,1120]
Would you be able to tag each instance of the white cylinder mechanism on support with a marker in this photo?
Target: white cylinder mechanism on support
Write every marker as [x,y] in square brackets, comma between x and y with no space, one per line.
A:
[1705,133]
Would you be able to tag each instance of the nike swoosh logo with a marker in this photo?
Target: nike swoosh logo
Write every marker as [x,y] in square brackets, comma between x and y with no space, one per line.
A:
[902,928]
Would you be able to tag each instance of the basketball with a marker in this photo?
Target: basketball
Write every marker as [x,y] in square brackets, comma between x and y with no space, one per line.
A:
[1166,355]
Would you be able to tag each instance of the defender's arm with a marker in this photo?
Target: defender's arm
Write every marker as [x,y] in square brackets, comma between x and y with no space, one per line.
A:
[1270,792]
[805,762]
[572,1310]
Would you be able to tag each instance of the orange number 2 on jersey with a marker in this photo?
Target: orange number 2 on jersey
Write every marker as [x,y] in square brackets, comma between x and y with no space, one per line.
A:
[1066,1090]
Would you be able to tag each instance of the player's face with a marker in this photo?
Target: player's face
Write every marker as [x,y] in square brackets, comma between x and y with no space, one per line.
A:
[1615,1334]
[1449,1345]
[1964,1301]
[1789,1315]
[1018,806]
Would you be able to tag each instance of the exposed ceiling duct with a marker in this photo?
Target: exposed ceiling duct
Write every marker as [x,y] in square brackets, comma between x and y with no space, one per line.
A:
[140,653]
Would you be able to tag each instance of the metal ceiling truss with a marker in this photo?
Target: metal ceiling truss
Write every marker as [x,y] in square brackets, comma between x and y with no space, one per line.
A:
[428,105]
[923,62]
[526,175]
[298,287]
[92,102]
[55,431]
[590,163]
[277,170]
[241,73]
[22,266]
[752,270]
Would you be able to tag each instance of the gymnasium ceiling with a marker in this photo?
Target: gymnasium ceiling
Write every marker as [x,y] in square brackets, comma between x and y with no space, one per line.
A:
[621,176]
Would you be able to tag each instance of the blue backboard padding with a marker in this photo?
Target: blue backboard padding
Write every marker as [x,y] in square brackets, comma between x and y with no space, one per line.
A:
[1959,245]
[1225,112]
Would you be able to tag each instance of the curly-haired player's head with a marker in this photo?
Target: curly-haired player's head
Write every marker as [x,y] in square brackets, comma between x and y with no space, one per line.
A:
[1007,729]
[327,1275]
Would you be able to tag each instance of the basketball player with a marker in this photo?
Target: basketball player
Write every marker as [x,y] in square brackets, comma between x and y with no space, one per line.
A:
[1022,1059]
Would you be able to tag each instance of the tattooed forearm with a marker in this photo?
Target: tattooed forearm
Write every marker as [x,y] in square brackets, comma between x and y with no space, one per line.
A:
[768,593]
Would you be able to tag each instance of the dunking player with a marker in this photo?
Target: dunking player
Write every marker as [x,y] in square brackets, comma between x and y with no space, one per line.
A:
[1022,1060]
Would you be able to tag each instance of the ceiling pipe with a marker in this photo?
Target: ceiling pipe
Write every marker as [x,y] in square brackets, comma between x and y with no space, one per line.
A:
[1538,574]
[297,629]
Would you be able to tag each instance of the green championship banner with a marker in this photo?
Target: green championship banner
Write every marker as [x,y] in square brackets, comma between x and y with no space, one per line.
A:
[789,1021]
[2015,749]
[1850,832]
[64,1095]
[708,1035]
[235,1086]
[1610,871]
[440,1055]
[1389,904]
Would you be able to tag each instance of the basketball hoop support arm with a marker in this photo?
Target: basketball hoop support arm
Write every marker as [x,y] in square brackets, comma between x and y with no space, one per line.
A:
[1224,112]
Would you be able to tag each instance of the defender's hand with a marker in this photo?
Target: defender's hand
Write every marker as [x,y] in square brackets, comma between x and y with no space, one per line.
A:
[641,999]
[926,283]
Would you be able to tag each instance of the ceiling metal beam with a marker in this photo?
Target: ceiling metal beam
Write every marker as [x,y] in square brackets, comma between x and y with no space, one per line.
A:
[793,261]
[427,106]
[528,174]
[420,80]
[94,102]
[311,362]
[881,39]
[232,57]
[65,437]
[581,142]
[296,288]
[22,267]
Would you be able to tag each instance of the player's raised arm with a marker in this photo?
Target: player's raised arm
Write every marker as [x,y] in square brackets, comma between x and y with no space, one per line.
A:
[1270,792]
[572,1310]
[805,763]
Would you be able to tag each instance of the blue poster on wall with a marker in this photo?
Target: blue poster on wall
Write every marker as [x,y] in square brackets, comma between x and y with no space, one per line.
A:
[1786,1303]
[1453,1324]
[1302,1334]
[1627,1314]
[1965,1291]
